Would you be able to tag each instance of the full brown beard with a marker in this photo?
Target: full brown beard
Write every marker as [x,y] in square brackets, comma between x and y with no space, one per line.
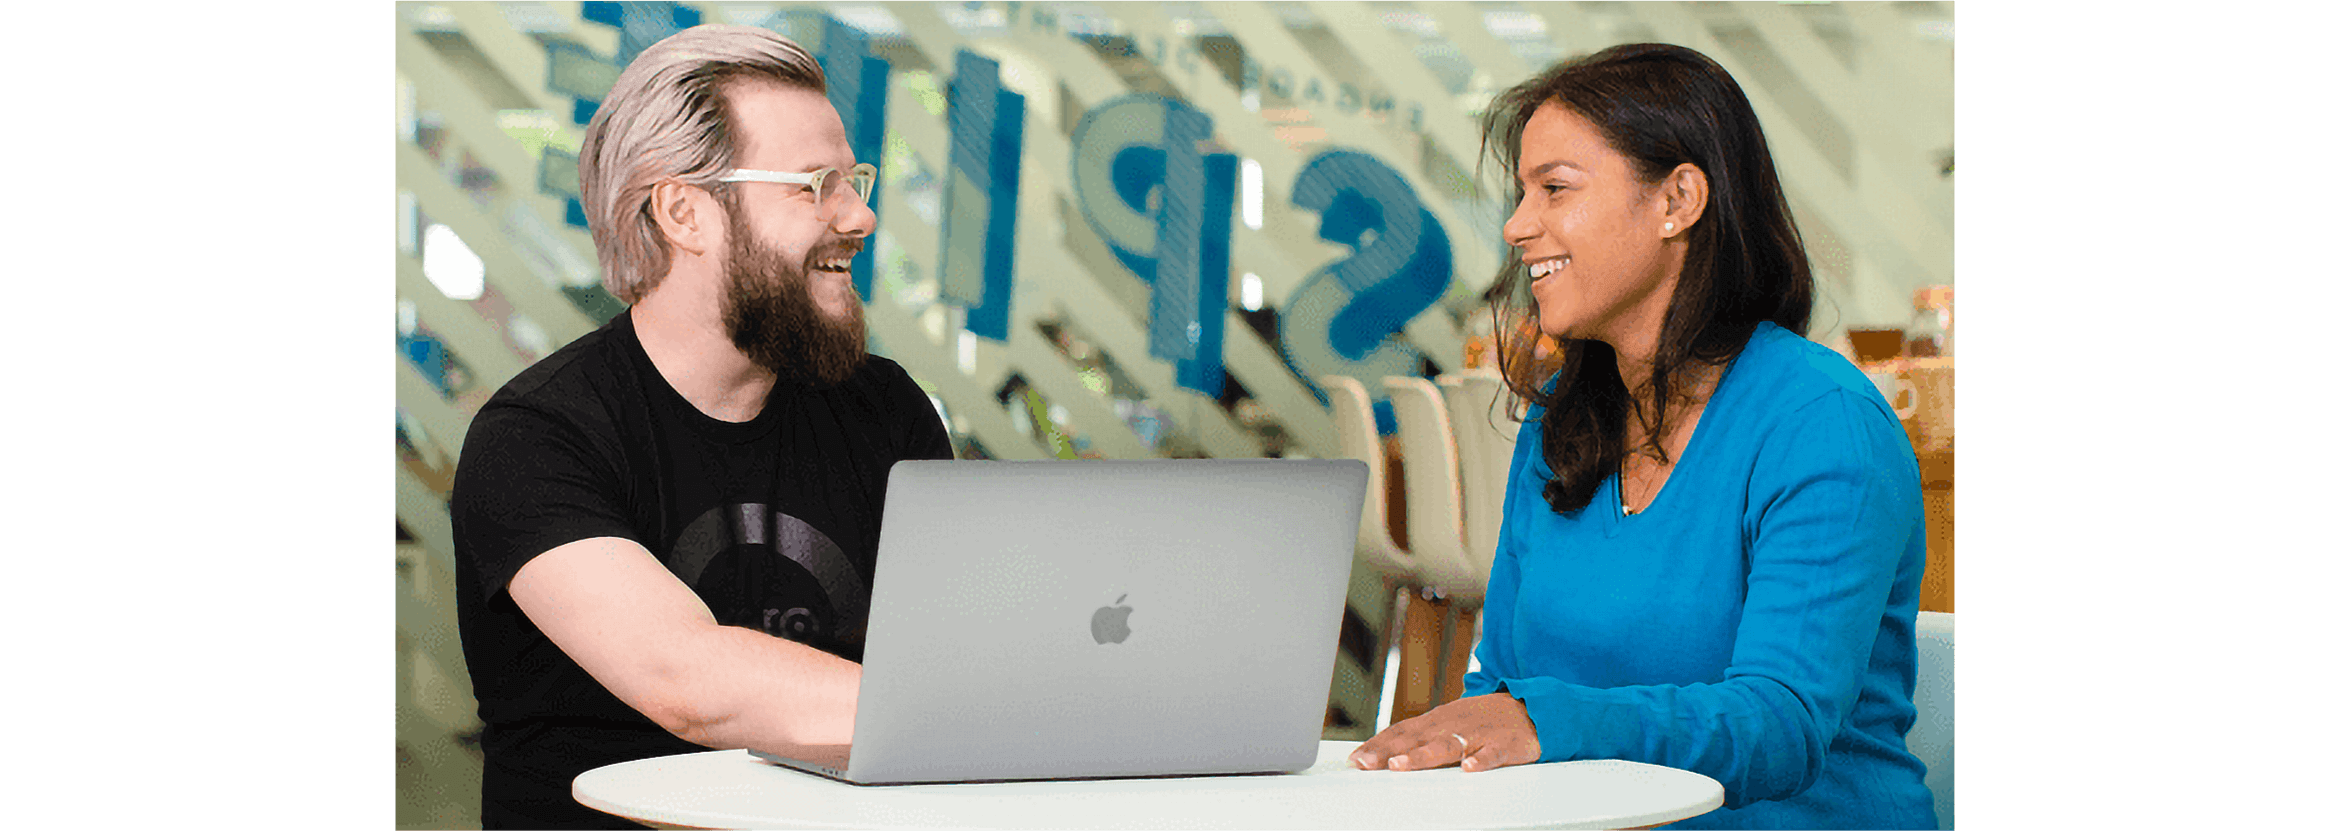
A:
[773,319]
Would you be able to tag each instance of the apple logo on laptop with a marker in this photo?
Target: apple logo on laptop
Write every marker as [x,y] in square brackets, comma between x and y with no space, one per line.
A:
[1109,622]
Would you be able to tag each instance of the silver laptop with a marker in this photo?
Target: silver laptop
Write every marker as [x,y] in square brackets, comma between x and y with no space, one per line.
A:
[1057,619]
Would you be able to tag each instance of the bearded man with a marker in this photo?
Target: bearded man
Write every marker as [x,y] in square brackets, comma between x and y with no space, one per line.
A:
[665,531]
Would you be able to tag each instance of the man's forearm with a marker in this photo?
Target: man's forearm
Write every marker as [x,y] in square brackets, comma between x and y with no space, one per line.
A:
[748,689]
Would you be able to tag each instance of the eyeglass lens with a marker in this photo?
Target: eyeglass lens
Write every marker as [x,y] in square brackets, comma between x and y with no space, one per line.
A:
[859,180]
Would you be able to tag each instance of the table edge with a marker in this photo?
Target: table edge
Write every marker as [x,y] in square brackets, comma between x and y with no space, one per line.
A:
[653,817]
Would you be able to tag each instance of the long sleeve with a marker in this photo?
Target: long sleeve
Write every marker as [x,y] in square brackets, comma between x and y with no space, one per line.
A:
[1494,652]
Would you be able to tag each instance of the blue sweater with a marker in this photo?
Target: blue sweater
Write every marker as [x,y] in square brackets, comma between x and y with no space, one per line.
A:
[1756,623]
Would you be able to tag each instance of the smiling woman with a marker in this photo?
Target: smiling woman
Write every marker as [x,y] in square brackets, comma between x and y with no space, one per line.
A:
[1713,536]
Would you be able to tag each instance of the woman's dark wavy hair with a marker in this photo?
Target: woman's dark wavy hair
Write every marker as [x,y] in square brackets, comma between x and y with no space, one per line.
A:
[1660,106]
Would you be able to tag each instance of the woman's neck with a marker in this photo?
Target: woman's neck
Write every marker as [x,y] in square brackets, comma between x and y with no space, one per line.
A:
[1687,389]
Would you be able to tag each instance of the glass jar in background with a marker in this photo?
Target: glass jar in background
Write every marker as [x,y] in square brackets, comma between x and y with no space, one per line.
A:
[1929,331]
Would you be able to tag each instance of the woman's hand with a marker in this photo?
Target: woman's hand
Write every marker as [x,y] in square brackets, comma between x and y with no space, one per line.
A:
[1478,733]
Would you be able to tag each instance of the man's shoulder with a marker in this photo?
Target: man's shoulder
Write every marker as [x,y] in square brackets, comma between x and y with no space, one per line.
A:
[884,382]
[881,372]
[900,407]
[577,392]
[584,369]
[553,426]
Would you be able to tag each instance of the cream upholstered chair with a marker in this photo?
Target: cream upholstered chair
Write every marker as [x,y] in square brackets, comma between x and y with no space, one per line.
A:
[1932,738]
[1485,435]
[1358,439]
[1439,626]
[1432,494]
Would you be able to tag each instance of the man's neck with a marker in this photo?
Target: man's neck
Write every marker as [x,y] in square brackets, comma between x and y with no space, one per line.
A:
[689,347]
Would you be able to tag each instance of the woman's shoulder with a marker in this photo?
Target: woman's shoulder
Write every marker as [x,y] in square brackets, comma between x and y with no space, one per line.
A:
[1785,372]
[1783,385]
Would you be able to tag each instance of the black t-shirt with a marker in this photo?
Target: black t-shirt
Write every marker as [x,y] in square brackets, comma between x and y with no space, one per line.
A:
[773,522]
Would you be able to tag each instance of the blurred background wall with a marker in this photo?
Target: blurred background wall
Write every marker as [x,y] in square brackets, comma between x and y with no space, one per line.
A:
[1107,230]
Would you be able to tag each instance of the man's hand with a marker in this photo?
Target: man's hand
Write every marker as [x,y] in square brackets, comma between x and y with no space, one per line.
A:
[1477,733]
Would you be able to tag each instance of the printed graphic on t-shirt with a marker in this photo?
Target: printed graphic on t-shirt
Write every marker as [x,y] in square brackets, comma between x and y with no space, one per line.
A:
[767,570]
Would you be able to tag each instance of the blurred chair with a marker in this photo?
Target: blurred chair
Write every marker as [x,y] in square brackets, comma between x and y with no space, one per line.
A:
[1359,683]
[1432,494]
[1932,738]
[1440,623]
[1482,430]
[1358,439]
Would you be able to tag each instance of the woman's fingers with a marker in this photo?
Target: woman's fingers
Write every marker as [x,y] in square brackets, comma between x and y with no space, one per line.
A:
[1373,753]
[1486,757]
[1397,738]
[1444,748]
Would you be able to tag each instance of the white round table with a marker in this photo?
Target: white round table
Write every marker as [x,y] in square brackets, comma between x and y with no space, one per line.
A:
[733,789]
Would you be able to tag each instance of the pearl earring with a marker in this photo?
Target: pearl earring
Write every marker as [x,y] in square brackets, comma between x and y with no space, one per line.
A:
[1668,227]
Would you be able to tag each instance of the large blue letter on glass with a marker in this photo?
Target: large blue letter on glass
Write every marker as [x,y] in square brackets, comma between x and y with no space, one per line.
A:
[1129,150]
[982,195]
[1340,321]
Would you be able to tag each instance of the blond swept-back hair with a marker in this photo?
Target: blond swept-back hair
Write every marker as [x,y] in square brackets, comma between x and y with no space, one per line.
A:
[667,117]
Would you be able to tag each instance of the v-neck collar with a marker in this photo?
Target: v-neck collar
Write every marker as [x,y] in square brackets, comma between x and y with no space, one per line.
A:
[1612,490]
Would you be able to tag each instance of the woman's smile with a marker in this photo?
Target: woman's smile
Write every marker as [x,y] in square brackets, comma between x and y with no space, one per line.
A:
[1543,268]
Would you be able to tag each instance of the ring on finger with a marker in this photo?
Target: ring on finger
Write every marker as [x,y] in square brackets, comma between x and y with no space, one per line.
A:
[1464,743]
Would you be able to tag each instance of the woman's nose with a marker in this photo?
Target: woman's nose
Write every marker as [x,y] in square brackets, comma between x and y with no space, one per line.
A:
[1520,229]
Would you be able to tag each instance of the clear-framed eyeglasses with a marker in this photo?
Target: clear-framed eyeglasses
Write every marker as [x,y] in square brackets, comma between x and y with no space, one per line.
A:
[826,182]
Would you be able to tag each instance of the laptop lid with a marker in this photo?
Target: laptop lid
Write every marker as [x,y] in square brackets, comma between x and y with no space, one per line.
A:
[1055,619]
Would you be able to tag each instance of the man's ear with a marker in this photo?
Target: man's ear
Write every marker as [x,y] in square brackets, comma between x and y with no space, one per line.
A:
[1685,191]
[688,216]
